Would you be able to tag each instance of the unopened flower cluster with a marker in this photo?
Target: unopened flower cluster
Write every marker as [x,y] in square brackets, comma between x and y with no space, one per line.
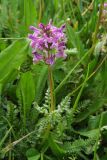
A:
[48,43]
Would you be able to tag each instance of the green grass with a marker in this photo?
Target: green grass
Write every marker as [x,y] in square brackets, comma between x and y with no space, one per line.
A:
[77,128]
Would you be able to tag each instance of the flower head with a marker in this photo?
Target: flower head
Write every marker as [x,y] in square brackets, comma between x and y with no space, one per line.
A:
[48,43]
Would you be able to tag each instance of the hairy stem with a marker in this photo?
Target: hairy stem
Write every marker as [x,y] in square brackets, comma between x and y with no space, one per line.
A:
[51,85]
[52,105]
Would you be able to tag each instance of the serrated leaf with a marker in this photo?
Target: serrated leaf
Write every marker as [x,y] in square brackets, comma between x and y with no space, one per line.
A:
[98,103]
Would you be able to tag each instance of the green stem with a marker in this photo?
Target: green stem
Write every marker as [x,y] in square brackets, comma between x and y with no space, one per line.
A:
[41,10]
[97,139]
[24,118]
[52,105]
[91,75]
[10,152]
[13,38]
[71,71]
[89,7]
[86,54]
[42,156]
[51,85]
[98,22]
[80,92]
[13,144]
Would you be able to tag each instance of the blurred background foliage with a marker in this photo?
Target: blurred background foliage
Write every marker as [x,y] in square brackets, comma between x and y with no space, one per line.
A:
[79,123]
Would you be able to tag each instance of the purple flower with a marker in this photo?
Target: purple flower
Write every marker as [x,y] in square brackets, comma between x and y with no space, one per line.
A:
[48,40]
[105,4]
[50,60]
[37,57]
[61,54]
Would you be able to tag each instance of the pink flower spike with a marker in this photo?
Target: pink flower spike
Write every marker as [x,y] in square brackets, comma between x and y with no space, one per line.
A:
[48,42]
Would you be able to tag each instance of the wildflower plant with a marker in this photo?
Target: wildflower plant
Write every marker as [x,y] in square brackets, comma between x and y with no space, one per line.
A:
[48,43]
[63,122]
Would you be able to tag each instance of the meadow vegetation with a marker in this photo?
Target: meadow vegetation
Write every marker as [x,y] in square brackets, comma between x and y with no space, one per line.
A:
[76,127]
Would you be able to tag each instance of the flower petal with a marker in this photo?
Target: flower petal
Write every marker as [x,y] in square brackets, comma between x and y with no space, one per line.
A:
[41,26]
[63,27]
[61,54]
[50,60]
[34,29]
[31,36]
[37,57]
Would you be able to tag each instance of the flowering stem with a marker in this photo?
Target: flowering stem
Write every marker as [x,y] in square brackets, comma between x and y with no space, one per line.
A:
[52,106]
[51,85]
